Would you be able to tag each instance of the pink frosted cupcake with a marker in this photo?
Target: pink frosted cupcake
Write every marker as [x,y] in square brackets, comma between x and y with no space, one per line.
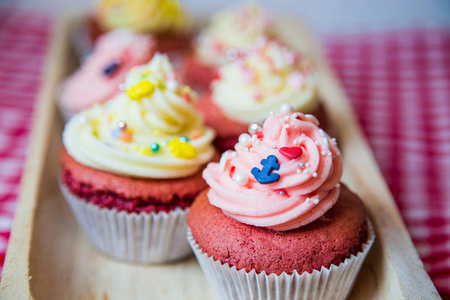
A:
[104,70]
[276,223]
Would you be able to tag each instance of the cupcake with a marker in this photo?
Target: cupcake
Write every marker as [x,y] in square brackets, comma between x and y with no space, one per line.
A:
[165,19]
[248,88]
[100,75]
[132,166]
[228,32]
[276,223]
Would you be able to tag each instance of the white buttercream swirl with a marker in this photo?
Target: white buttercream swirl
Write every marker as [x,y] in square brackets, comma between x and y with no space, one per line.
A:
[118,136]
[269,74]
[232,30]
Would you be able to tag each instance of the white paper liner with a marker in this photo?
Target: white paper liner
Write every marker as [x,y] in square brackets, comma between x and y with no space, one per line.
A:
[333,283]
[136,238]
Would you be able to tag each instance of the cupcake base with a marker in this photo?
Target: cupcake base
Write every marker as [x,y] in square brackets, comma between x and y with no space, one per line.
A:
[335,282]
[143,238]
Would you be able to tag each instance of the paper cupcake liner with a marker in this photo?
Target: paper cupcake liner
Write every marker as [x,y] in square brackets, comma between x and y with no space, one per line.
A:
[136,238]
[333,283]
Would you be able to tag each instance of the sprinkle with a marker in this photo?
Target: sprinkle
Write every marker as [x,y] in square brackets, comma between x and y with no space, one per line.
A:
[252,150]
[295,115]
[324,152]
[329,153]
[308,200]
[184,139]
[317,143]
[116,133]
[154,147]
[240,178]
[254,127]
[306,171]
[122,125]
[287,126]
[302,165]
[142,89]
[333,140]
[286,108]
[244,139]
[145,151]
[246,149]
[307,165]
[295,142]
[287,118]
[195,134]
[122,87]
[182,150]
[299,171]
[126,136]
[281,193]
[316,201]
[258,142]
[314,174]
[274,146]
[302,135]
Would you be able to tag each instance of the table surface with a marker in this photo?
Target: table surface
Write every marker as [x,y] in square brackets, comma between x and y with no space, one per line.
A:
[399,85]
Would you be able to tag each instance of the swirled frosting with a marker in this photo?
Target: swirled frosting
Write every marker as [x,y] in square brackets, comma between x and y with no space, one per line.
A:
[269,74]
[310,168]
[149,16]
[232,30]
[101,73]
[150,130]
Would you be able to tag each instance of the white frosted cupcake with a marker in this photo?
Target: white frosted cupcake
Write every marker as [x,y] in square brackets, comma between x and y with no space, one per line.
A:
[132,166]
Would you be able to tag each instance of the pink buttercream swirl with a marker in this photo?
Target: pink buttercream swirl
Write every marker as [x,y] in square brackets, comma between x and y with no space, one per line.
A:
[308,185]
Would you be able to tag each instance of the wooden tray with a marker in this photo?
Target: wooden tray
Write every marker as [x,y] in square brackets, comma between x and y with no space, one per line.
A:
[48,257]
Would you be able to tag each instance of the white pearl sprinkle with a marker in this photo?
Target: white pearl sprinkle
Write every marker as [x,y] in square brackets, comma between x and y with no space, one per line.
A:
[329,153]
[287,118]
[252,150]
[258,142]
[246,149]
[295,115]
[308,200]
[286,108]
[295,142]
[316,201]
[240,178]
[306,171]
[302,135]
[281,193]
[244,139]
[274,146]
[307,165]
[122,87]
[302,165]
[287,126]
[314,174]
[333,140]
[317,143]
[324,152]
[299,171]
[324,138]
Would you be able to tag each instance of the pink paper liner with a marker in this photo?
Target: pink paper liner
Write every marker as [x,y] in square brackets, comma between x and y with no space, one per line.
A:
[143,238]
[335,282]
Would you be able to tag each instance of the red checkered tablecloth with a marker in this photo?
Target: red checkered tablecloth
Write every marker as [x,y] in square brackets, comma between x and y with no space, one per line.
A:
[399,85]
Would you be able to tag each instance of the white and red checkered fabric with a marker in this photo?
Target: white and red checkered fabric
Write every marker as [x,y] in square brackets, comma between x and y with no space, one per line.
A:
[23,43]
[399,84]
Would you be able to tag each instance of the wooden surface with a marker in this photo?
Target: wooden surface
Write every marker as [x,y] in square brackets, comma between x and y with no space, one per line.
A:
[48,257]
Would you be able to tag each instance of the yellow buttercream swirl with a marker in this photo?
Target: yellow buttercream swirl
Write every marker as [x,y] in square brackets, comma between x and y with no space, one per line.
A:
[155,134]
[268,74]
[149,16]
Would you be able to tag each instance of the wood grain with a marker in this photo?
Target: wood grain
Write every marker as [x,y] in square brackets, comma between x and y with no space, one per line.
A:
[48,257]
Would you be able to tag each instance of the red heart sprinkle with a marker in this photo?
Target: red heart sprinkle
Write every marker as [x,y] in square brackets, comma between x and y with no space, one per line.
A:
[259,134]
[291,152]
